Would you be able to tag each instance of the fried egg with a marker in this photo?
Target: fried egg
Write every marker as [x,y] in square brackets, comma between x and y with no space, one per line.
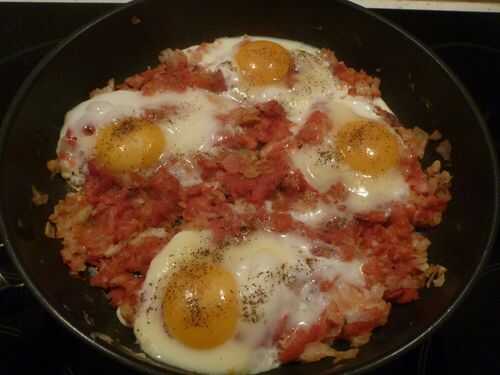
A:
[256,70]
[113,128]
[214,309]
[362,153]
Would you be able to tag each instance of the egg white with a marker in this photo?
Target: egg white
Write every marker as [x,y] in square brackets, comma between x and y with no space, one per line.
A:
[314,83]
[191,128]
[318,214]
[148,325]
[322,171]
[257,263]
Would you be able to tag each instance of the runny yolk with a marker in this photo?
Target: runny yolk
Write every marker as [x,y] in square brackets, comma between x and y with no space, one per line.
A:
[262,62]
[368,147]
[200,307]
[129,145]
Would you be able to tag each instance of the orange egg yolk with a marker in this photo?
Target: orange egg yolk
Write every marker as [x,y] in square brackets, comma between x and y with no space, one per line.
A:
[368,147]
[200,307]
[262,62]
[129,145]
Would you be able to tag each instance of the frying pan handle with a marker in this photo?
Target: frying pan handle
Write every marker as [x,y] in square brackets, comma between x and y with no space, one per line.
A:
[8,279]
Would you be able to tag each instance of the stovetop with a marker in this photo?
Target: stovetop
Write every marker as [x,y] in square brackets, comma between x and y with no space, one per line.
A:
[32,342]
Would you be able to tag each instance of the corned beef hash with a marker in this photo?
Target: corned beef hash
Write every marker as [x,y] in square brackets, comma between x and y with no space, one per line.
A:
[247,203]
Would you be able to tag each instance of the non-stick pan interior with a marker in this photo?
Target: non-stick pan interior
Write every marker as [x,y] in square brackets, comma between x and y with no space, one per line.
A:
[414,85]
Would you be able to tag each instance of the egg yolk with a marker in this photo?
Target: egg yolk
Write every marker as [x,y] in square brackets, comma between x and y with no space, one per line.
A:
[262,62]
[367,147]
[129,145]
[200,307]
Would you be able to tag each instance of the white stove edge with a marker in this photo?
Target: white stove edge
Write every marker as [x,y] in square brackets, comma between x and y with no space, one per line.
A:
[444,5]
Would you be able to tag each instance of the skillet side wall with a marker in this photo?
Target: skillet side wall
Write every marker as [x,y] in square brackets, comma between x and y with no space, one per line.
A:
[416,88]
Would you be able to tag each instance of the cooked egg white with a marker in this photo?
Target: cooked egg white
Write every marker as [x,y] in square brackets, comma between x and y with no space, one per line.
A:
[319,214]
[322,166]
[364,193]
[190,127]
[275,274]
[313,83]
[149,323]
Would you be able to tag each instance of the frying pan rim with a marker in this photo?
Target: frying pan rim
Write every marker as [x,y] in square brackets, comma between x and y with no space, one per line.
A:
[127,359]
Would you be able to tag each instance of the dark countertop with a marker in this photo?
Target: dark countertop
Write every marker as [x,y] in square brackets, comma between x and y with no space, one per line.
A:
[27,25]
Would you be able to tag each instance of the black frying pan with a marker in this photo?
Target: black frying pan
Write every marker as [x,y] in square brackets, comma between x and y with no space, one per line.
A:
[416,85]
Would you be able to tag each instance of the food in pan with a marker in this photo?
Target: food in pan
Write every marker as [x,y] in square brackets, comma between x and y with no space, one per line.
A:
[247,203]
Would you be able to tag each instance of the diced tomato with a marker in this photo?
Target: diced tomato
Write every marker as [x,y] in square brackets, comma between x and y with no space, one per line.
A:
[358,328]
[98,181]
[237,185]
[265,186]
[401,295]
[337,193]
[344,239]
[293,343]
[315,128]
[163,184]
[211,81]
[326,285]
[373,216]
[240,141]
[175,74]
[294,185]
[234,163]
[272,109]
[266,125]
[122,208]
[360,82]
[414,174]
[281,222]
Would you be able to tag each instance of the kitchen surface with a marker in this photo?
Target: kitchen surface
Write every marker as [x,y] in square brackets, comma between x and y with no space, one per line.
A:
[466,36]
[443,5]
